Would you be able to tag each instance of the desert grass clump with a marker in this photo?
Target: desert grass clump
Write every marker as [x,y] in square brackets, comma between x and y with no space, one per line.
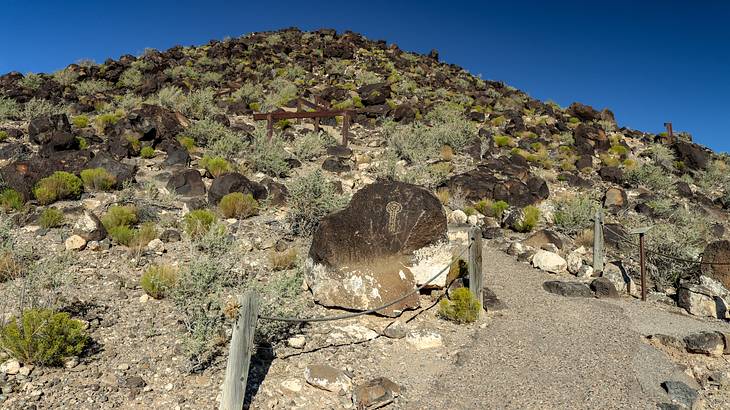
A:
[198,222]
[60,185]
[97,179]
[283,260]
[80,121]
[158,280]
[187,142]
[498,208]
[9,109]
[503,141]
[147,152]
[43,337]
[216,166]
[530,218]
[238,205]
[461,308]
[143,235]
[443,196]
[51,218]
[119,215]
[572,214]
[11,200]
[311,197]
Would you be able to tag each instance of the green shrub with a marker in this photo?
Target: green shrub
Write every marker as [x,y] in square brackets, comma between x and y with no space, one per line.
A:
[97,179]
[238,205]
[11,200]
[51,218]
[121,234]
[463,307]
[187,142]
[43,337]
[574,214]
[200,104]
[8,108]
[119,215]
[38,107]
[158,280]
[3,135]
[80,121]
[281,91]
[147,152]
[215,165]
[530,218]
[498,208]
[104,120]
[652,177]
[92,87]
[134,144]
[60,185]
[83,144]
[220,140]
[198,222]
[311,197]
[268,155]
[131,78]
[503,141]
[142,236]
[311,146]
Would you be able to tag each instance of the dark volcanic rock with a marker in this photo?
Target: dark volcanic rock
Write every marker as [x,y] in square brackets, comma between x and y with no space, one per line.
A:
[361,252]
[52,133]
[234,182]
[709,343]
[22,175]
[583,112]
[374,94]
[187,182]
[484,183]
[611,174]
[121,171]
[693,155]
[682,394]
[718,255]
[336,165]
[604,288]
[568,289]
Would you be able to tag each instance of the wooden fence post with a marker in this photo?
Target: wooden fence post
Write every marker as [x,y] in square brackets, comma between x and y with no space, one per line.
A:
[345,127]
[239,356]
[598,241]
[475,264]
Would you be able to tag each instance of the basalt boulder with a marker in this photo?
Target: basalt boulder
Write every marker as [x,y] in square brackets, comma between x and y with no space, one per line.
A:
[22,175]
[234,182]
[692,155]
[717,254]
[187,182]
[360,256]
[122,172]
[520,188]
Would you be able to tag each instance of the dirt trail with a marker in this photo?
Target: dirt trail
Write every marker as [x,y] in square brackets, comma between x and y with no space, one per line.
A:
[548,351]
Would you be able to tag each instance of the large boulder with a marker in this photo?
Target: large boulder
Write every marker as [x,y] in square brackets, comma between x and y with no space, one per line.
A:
[708,298]
[22,175]
[515,185]
[709,343]
[360,256]
[52,133]
[187,182]
[615,199]
[374,94]
[583,112]
[716,261]
[234,182]
[122,172]
[692,155]
[568,289]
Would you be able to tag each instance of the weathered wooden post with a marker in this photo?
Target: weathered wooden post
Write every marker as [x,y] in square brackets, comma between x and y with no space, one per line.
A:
[475,264]
[270,125]
[345,127]
[239,356]
[598,241]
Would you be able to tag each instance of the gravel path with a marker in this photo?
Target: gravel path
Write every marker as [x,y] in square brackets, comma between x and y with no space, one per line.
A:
[548,351]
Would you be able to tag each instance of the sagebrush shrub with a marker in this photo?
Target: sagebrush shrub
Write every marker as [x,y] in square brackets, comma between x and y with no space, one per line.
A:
[80,121]
[11,200]
[462,307]
[122,234]
[38,107]
[9,109]
[268,155]
[573,214]
[311,146]
[60,185]
[219,139]
[51,218]
[198,222]
[97,179]
[43,337]
[91,87]
[158,280]
[311,197]
[238,205]
[119,215]
[653,177]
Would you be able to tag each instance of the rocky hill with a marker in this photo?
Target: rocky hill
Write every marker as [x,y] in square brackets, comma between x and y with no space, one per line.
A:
[140,197]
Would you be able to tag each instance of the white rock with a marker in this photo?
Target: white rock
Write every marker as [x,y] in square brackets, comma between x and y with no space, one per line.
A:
[458,217]
[71,362]
[585,271]
[144,298]
[327,378]
[575,261]
[549,262]
[429,261]
[293,385]
[25,371]
[11,366]
[424,339]
[621,282]
[473,220]
[351,332]
[156,245]
[75,243]
[297,342]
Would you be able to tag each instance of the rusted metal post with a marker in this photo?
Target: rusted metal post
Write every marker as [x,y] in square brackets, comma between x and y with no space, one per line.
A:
[270,125]
[670,132]
[345,127]
[642,257]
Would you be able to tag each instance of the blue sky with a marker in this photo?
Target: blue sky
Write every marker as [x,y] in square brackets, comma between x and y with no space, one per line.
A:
[650,61]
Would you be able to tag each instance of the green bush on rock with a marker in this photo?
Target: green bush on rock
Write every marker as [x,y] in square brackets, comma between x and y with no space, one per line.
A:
[461,308]
[60,185]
